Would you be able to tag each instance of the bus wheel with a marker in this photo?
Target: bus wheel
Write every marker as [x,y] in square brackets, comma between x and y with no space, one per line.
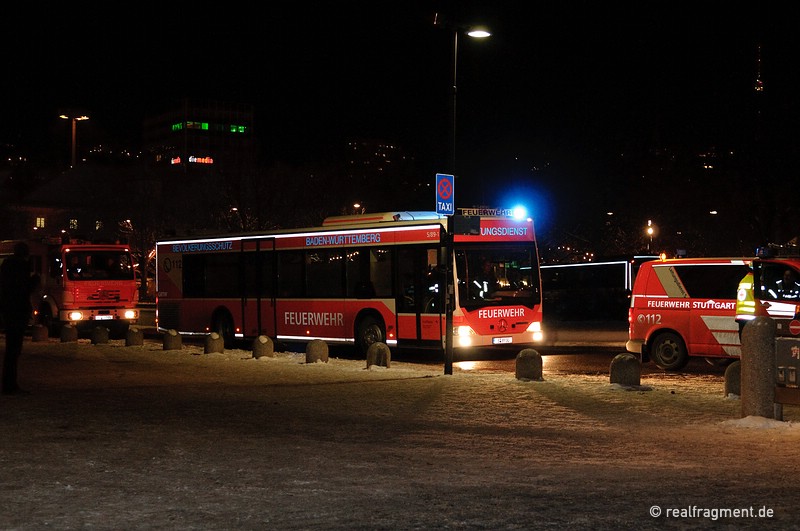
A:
[370,330]
[222,323]
[669,352]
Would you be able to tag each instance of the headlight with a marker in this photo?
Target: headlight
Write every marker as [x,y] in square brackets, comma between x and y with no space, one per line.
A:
[130,314]
[536,329]
[463,331]
[464,335]
[75,316]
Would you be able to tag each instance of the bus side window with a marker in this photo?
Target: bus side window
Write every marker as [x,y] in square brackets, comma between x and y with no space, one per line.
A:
[357,274]
[381,271]
[324,273]
[291,273]
[407,274]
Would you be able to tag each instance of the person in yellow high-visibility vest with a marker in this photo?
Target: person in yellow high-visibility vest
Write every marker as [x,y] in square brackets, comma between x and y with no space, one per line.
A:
[746,309]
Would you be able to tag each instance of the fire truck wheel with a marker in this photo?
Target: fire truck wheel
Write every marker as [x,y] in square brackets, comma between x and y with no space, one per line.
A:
[368,331]
[47,321]
[668,352]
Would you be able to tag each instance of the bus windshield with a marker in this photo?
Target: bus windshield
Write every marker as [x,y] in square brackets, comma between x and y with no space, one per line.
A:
[496,277]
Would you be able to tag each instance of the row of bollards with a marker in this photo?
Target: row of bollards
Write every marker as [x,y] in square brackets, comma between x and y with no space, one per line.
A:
[625,368]
[99,335]
[752,377]
[316,350]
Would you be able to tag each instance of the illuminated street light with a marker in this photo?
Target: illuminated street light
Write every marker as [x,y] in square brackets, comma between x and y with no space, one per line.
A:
[650,230]
[75,120]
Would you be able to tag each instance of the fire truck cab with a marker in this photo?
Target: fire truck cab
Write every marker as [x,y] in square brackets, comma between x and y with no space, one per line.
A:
[82,283]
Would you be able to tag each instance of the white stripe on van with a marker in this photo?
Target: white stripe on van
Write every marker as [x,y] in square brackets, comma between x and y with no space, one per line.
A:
[721,322]
[732,351]
[725,330]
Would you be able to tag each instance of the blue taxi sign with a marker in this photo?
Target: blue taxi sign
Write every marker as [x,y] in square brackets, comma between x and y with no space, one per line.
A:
[445,193]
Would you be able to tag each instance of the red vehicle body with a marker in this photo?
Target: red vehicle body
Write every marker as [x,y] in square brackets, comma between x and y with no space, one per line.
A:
[81,283]
[358,280]
[684,307]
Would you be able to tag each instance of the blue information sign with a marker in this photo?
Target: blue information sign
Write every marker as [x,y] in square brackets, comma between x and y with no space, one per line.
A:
[445,192]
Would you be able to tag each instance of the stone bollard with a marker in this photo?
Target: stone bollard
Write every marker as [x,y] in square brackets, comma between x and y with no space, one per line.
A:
[529,365]
[733,379]
[69,334]
[379,354]
[625,369]
[214,343]
[134,337]
[316,350]
[759,373]
[99,335]
[39,333]
[263,347]
[172,340]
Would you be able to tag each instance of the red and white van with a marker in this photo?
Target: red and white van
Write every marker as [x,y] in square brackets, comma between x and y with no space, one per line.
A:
[684,307]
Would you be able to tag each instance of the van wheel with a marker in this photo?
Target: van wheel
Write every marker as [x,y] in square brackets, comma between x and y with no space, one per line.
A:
[668,352]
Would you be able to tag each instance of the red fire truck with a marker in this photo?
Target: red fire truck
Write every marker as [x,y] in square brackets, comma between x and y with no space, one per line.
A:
[82,283]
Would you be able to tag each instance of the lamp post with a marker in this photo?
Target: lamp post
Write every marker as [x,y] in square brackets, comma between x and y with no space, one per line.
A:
[75,120]
[449,288]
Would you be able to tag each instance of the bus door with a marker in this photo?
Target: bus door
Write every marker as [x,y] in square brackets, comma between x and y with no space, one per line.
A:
[258,302]
[419,292]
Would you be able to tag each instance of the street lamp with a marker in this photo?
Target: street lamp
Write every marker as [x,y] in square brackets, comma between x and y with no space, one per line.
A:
[476,32]
[75,120]
[650,230]
[449,289]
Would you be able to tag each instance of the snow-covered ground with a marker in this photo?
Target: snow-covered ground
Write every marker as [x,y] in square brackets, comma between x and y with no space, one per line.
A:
[114,437]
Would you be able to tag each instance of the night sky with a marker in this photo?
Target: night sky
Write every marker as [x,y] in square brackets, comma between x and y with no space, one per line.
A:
[558,81]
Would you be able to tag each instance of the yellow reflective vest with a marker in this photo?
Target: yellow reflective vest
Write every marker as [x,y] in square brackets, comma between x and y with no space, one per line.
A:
[745,302]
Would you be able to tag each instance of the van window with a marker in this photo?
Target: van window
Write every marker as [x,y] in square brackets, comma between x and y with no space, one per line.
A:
[712,281]
[778,281]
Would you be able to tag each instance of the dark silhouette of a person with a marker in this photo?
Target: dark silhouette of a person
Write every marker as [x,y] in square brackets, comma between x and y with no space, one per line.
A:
[16,286]
[788,287]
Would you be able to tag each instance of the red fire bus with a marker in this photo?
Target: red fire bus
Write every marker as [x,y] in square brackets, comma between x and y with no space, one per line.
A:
[359,280]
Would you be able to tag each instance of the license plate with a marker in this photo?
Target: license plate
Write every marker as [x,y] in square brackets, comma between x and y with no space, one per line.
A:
[500,340]
[103,317]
